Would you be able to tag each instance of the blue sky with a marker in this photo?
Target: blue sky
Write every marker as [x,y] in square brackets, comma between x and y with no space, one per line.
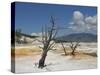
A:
[31,16]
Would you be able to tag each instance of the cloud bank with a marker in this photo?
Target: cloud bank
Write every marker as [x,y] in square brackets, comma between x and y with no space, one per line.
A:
[82,23]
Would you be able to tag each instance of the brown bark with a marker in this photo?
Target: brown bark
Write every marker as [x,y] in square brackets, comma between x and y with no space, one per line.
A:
[42,60]
[47,36]
[73,52]
[64,49]
[73,47]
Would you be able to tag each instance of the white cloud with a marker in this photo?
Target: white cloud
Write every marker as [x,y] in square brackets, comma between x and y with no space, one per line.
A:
[36,34]
[77,15]
[91,20]
[80,23]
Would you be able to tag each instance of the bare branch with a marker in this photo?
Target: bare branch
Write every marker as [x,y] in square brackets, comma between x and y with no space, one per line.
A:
[73,46]
[56,31]
[43,34]
[51,45]
[46,36]
[64,48]
[52,21]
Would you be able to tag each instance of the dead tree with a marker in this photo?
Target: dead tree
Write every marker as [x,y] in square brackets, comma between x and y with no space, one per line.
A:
[18,35]
[48,34]
[64,48]
[73,47]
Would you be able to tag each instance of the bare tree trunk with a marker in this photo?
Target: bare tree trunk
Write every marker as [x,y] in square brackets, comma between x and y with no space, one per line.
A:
[64,49]
[65,52]
[42,60]
[73,46]
[73,52]
[47,36]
